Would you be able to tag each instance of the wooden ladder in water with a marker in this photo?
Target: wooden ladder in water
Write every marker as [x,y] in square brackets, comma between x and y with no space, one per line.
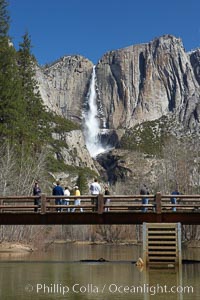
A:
[162,244]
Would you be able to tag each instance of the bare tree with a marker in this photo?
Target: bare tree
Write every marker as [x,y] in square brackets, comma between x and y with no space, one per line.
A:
[17,175]
[182,168]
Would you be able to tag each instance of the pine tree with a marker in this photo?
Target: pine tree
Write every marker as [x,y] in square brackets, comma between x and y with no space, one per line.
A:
[11,106]
[37,125]
[4,19]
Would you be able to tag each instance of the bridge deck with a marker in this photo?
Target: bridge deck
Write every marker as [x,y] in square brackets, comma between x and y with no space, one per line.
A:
[192,218]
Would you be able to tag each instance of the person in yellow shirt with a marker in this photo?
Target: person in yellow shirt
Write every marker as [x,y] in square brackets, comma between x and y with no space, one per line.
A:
[77,201]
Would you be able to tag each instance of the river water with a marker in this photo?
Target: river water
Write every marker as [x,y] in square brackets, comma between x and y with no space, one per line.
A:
[59,274]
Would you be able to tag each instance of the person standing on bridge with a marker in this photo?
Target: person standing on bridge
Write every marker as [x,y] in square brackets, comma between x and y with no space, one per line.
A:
[37,192]
[144,191]
[173,200]
[107,200]
[58,191]
[95,189]
[77,201]
[66,200]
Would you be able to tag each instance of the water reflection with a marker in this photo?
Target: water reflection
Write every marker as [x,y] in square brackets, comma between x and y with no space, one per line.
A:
[161,282]
[48,275]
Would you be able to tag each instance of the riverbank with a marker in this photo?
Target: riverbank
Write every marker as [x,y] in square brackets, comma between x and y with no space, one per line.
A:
[10,247]
[13,247]
[128,242]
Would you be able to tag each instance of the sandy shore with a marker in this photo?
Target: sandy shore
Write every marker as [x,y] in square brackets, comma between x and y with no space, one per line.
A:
[6,247]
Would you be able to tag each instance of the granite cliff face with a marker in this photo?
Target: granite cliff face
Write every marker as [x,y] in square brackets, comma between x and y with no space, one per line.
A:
[64,85]
[144,82]
[195,62]
[134,84]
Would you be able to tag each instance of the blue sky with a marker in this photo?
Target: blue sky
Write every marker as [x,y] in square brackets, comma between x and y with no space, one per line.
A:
[93,27]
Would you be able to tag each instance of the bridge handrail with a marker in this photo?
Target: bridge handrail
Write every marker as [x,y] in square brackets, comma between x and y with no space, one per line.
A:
[157,203]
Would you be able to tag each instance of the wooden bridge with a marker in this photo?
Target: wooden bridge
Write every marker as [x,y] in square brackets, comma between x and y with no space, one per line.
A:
[120,209]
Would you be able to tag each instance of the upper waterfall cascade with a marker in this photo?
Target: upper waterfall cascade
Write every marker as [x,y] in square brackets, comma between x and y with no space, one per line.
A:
[92,124]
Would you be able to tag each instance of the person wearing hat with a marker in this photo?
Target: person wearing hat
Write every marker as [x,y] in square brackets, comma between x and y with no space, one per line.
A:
[77,201]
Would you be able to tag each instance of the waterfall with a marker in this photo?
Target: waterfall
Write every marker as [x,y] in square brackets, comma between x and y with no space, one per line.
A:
[92,124]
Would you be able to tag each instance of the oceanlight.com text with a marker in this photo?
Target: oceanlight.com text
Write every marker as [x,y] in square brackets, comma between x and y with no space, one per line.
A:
[112,288]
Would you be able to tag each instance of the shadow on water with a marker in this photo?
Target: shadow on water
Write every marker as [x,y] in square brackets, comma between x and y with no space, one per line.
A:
[88,261]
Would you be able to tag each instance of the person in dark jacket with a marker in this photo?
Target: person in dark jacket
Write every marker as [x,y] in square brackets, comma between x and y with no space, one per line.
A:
[144,191]
[58,191]
[37,192]
[173,200]
[107,200]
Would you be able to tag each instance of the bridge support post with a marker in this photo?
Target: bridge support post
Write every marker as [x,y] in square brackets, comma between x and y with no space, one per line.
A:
[43,204]
[100,203]
[162,244]
[1,204]
[158,203]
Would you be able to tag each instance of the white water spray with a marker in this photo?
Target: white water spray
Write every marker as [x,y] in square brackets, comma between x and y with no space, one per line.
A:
[92,127]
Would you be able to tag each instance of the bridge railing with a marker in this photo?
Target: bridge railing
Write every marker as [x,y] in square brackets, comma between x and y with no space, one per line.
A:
[100,204]
[183,202]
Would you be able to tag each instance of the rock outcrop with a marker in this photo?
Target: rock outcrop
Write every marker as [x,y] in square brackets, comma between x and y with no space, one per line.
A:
[195,62]
[64,85]
[77,153]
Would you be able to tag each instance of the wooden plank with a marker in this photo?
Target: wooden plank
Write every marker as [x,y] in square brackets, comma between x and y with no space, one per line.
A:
[161,238]
[173,253]
[70,206]
[159,231]
[161,242]
[165,258]
[162,232]
[157,236]
[161,225]
[161,247]
[160,263]
[6,207]
[145,244]
[181,205]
